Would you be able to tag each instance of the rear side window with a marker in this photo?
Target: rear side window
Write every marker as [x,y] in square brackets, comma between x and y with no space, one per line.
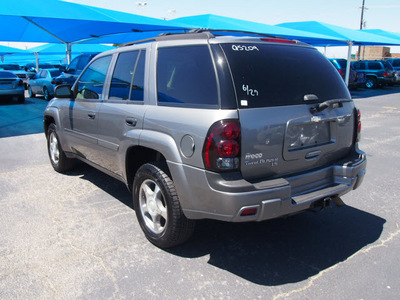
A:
[374,66]
[274,75]
[55,73]
[128,78]
[186,77]
[90,84]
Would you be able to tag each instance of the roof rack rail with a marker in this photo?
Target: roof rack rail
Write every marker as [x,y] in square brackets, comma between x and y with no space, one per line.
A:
[200,30]
[200,33]
[173,36]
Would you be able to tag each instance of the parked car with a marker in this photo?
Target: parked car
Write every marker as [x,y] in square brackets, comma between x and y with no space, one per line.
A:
[11,86]
[395,62]
[16,69]
[43,83]
[32,67]
[208,127]
[74,69]
[377,72]
[356,79]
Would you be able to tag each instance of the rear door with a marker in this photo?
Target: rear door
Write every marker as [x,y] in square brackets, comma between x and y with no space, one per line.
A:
[121,115]
[277,86]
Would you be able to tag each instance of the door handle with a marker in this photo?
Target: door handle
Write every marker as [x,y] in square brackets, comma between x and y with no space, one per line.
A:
[131,122]
[92,115]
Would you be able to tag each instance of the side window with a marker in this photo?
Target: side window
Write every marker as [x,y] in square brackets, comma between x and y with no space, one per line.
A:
[396,63]
[359,65]
[138,79]
[186,76]
[43,74]
[122,77]
[90,85]
[374,66]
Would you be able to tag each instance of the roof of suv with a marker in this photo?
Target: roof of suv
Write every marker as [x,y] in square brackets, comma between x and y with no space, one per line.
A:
[201,34]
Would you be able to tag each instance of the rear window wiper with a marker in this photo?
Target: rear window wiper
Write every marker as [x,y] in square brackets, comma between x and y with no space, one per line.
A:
[329,103]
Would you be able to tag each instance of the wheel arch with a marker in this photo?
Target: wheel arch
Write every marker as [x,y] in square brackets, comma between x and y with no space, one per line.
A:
[136,156]
[50,116]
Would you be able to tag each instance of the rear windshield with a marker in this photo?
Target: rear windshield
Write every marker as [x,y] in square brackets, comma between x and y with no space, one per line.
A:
[6,75]
[274,75]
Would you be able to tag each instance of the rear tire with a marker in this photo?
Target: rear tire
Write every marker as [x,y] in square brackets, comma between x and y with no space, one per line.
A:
[60,162]
[157,207]
[46,94]
[371,83]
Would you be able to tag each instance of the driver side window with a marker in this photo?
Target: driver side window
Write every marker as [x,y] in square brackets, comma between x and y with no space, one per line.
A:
[90,85]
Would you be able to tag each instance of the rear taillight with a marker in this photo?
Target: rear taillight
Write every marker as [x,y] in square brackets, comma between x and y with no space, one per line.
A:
[341,72]
[20,83]
[385,74]
[358,124]
[222,146]
[53,81]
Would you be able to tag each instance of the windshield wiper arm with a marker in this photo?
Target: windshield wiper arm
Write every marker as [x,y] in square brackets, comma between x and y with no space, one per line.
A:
[326,104]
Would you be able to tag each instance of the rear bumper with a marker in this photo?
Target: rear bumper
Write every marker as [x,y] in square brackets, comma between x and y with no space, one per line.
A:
[206,195]
[13,92]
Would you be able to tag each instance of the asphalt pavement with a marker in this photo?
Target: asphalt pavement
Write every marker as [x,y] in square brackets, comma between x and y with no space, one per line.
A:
[76,235]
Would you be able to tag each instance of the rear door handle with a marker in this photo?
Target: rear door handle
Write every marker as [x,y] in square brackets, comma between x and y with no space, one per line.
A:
[92,115]
[131,122]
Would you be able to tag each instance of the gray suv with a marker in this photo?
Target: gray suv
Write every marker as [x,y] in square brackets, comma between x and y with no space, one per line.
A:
[377,72]
[211,127]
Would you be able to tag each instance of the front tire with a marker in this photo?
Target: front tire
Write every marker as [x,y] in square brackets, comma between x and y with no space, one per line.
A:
[60,162]
[157,207]
[31,93]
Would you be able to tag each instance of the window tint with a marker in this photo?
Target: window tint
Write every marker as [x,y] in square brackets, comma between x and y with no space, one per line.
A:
[359,65]
[7,75]
[138,80]
[122,86]
[122,77]
[272,75]
[374,66]
[387,65]
[186,76]
[74,64]
[90,85]
[85,59]
[55,73]
[396,63]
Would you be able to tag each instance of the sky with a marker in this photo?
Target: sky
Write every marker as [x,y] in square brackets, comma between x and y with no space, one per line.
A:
[380,14]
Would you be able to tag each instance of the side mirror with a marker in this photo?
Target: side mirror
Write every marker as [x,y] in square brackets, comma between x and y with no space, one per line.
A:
[63,91]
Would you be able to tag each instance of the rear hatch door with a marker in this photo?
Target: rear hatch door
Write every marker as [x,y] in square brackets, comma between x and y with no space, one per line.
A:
[295,111]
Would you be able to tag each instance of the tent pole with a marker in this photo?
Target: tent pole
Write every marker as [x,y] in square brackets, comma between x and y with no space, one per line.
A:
[37,61]
[348,62]
[69,54]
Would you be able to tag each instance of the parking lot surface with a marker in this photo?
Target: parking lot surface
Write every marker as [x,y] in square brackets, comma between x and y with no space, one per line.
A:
[76,235]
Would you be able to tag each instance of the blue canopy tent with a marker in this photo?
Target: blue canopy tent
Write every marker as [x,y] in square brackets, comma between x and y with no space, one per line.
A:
[220,23]
[54,49]
[352,37]
[380,32]
[53,21]
[5,50]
